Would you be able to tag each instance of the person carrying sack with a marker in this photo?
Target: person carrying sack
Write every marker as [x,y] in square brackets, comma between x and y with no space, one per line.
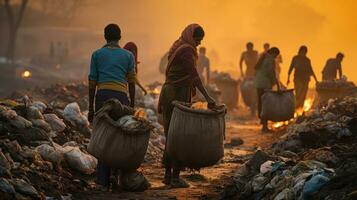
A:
[265,79]
[181,81]
[112,75]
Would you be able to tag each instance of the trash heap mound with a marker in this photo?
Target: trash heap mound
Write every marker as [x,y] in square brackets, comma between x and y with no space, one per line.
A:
[43,144]
[315,159]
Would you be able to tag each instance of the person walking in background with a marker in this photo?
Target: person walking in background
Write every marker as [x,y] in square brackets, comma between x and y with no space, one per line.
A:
[332,66]
[303,71]
[112,75]
[181,81]
[278,60]
[202,65]
[250,58]
[131,46]
[265,79]
[266,47]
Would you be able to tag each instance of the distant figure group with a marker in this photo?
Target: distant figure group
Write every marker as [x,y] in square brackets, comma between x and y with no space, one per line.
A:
[266,68]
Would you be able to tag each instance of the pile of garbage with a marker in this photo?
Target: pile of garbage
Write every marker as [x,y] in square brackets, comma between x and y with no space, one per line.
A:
[315,159]
[223,76]
[335,84]
[42,150]
[43,146]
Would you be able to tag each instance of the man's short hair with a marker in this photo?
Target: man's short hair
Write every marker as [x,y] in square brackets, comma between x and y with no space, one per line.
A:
[340,55]
[266,45]
[112,32]
[249,45]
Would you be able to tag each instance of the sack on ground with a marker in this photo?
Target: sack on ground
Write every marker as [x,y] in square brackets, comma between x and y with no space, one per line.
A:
[249,93]
[133,181]
[118,142]
[195,137]
[79,160]
[278,105]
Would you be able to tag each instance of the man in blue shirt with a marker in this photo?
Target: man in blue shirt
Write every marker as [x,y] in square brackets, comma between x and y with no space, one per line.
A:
[112,75]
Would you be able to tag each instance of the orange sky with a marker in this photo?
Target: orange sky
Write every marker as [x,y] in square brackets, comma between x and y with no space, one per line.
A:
[325,26]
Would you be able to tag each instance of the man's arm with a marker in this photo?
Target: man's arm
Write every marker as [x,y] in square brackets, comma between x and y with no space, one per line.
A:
[132,94]
[92,86]
[208,69]
[312,72]
[241,64]
[291,68]
[131,76]
[340,71]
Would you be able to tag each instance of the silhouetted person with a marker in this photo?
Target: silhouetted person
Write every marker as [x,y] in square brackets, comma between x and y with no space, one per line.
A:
[203,64]
[303,71]
[266,47]
[250,58]
[333,65]
[265,79]
[278,60]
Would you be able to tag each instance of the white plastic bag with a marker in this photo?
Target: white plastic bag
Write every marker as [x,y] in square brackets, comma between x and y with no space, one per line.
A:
[56,123]
[50,153]
[72,113]
[79,160]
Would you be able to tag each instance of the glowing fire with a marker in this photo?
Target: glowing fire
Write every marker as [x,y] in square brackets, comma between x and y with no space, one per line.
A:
[307,106]
[156,91]
[26,74]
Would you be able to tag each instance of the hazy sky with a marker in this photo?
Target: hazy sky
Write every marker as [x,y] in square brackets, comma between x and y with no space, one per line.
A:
[325,26]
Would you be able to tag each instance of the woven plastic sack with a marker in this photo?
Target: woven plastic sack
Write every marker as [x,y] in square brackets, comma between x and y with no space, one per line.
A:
[195,138]
[278,106]
[115,145]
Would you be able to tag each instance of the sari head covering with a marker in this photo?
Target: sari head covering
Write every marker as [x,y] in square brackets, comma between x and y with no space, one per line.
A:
[186,39]
[131,46]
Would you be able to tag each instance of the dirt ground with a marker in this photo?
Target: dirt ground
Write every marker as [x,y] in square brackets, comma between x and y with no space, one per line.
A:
[209,182]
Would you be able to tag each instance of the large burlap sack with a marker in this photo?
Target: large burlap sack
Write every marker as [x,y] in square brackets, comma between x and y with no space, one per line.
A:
[114,144]
[278,106]
[195,138]
[249,92]
[133,181]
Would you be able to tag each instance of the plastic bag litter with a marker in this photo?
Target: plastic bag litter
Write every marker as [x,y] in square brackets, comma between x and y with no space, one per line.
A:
[286,194]
[259,182]
[345,132]
[55,122]
[79,160]
[41,124]
[314,184]
[34,113]
[149,102]
[129,122]
[266,167]
[50,153]
[25,188]
[40,106]
[19,122]
[72,113]
[133,181]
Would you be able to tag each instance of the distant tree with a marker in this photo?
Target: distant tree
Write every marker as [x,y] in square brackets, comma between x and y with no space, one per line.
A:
[14,22]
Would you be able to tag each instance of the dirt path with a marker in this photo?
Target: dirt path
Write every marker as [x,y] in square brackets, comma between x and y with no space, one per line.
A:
[210,181]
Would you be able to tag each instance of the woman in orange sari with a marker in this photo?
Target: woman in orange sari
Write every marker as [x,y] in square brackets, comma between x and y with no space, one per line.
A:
[182,79]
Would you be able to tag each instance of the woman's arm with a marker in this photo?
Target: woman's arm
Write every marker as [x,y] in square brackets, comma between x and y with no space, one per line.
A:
[141,86]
